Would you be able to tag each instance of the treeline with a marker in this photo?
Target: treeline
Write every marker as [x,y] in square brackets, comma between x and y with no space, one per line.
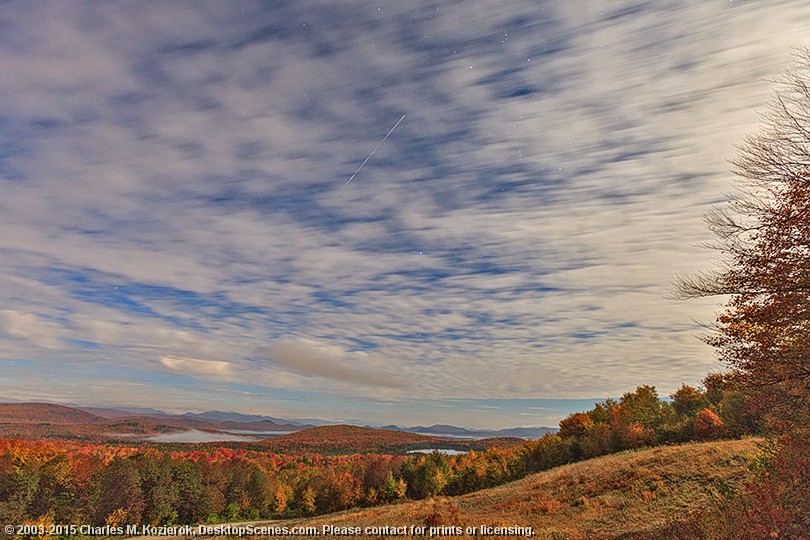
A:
[67,483]
[641,418]
[638,419]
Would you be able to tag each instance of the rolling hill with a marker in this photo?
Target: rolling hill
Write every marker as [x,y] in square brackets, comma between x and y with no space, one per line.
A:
[345,438]
[45,413]
[631,495]
[47,420]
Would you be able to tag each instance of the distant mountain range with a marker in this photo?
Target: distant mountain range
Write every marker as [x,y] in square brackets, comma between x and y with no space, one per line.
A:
[121,419]
[219,416]
[232,418]
[210,416]
[210,420]
[444,430]
[48,420]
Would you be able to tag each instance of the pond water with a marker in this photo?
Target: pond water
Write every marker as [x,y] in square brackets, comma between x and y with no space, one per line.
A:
[261,434]
[448,451]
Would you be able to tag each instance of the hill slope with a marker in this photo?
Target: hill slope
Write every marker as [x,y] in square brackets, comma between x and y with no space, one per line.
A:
[345,438]
[46,420]
[45,413]
[632,495]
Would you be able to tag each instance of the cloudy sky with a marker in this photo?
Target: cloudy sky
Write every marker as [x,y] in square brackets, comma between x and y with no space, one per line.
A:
[177,230]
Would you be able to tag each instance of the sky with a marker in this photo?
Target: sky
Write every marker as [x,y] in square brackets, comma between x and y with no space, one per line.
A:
[181,225]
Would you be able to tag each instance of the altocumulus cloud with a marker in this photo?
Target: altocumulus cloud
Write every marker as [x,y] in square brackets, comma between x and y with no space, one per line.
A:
[171,202]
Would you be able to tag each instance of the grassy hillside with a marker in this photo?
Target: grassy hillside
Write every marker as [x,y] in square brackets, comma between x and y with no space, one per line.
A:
[631,495]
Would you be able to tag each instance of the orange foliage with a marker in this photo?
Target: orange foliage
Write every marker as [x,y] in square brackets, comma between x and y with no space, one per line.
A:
[707,425]
[575,425]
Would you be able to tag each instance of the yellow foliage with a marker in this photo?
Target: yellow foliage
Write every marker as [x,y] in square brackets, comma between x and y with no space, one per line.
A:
[117,517]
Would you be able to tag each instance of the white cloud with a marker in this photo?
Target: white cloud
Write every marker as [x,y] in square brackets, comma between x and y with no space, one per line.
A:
[197,366]
[37,330]
[329,362]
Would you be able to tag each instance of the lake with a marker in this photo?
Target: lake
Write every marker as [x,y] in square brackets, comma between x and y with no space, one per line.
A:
[197,436]
[447,451]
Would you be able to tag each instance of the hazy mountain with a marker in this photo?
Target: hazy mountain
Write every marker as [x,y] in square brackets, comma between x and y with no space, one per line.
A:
[221,420]
[220,416]
[454,431]
[106,412]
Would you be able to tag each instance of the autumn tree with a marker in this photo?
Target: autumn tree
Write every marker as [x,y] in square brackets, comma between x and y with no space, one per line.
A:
[120,489]
[307,501]
[637,417]
[687,401]
[56,491]
[425,474]
[194,501]
[764,232]
[575,425]
[763,333]
[375,474]
[259,492]
[160,492]
[394,489]
[707,425]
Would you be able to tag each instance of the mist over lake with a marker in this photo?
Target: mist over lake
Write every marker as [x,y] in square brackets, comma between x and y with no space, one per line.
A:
[197,436]
[446,451]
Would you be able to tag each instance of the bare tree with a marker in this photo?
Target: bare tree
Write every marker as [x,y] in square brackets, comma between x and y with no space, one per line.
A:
[764,235]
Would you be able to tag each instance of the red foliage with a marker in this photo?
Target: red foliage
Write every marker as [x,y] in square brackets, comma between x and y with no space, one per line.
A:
[575,425]
[707,425]
[359,439]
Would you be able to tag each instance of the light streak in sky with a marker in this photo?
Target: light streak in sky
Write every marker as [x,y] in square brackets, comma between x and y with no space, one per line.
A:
[372,152]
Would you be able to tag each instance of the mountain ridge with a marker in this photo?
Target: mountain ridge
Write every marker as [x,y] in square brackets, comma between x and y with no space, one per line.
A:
[51,413]
[455,431]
